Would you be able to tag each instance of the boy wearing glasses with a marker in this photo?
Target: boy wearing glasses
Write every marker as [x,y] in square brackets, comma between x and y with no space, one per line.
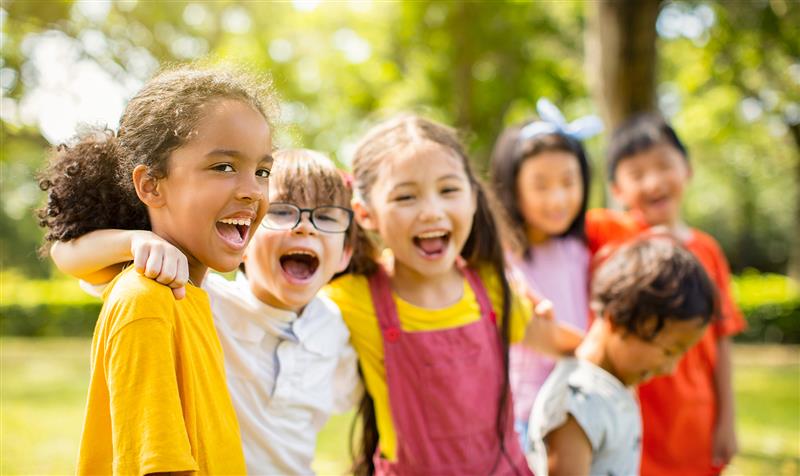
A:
[289,365]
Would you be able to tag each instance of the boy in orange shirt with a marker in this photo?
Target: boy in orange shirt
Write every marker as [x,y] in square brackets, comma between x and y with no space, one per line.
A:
[688,416]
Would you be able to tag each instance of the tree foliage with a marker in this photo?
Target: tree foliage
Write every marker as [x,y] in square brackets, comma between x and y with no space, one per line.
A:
[339,66]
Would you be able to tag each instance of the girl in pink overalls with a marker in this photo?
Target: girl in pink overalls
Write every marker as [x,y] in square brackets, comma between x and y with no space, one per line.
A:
[432,329]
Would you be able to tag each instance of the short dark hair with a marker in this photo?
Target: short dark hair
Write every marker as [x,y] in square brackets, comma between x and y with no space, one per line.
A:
[652,277]
[509,153]
[638,134]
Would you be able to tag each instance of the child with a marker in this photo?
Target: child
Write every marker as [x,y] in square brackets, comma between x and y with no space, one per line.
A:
[433,361]
[157,400]
[289,365]
[653,301]
[689,416]
[541,176]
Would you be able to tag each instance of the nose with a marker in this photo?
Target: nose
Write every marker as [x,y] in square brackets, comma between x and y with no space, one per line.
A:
[250,189]
[652,181]
[304,226]
[431,211]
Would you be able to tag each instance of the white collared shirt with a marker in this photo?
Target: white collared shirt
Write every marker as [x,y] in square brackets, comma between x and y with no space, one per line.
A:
[286,374]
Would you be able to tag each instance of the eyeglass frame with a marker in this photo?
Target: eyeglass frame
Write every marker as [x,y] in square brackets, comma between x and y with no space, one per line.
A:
[310,211]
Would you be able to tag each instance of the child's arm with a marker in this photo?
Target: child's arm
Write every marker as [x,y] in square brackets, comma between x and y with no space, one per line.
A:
[545,335]
[725,444]
[569,451]
[99,256]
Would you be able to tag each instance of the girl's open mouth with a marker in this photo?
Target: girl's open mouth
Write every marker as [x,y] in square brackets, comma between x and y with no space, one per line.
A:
[299,265]
[234,231]
[432,244]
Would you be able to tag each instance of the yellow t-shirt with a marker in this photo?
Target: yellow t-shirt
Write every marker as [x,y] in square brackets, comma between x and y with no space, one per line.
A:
[351,294]
[157,395]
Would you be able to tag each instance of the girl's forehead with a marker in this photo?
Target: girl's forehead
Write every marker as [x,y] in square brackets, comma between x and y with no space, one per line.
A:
[425,160]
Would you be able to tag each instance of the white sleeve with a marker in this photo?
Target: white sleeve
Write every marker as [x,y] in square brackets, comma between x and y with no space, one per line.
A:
[95,290]
[591,413]
[347,387]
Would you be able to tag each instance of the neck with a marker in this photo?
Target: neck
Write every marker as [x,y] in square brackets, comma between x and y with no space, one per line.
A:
[593,348]
[427,291]
[536,236]
[197,270]
[263,295]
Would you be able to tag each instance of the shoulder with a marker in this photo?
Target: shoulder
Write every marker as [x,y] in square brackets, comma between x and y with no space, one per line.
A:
[348,290]
[216,284]
[702,241]
[592,397]
[131,296]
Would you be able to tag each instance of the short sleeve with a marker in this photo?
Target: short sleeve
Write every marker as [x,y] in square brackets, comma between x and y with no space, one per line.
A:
[589,411]
[731,320]
[705,248]
[148,429]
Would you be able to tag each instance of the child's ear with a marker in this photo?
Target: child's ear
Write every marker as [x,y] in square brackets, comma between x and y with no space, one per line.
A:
[364,216]
[347,253]
[147,187]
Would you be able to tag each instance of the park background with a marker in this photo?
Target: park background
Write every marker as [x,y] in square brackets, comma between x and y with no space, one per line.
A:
[727,74]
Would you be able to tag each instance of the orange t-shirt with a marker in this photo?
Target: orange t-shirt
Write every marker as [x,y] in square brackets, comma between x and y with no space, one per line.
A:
[679,410]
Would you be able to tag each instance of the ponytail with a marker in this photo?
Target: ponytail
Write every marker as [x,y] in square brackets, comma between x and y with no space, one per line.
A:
[83,192]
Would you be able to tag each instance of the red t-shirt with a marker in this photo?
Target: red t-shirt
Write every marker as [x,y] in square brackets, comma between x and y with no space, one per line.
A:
[678,410]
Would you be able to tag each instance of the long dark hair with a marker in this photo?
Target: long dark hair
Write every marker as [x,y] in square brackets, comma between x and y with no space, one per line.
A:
[481,248]
[89,183]
[510,151]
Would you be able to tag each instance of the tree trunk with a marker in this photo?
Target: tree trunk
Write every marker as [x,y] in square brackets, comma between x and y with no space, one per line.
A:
[794,255]
[620,45]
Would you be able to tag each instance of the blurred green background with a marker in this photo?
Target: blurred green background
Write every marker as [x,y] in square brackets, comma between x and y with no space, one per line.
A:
[727,74]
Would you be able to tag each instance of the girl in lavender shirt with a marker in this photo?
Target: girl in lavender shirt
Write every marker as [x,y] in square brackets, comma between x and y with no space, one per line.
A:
[540,174]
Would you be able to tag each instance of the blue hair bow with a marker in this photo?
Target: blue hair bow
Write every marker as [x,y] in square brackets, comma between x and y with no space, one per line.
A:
[552,121]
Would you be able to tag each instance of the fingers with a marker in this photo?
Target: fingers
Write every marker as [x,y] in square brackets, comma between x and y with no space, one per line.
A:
[544,310]
[179,293]
[154,261]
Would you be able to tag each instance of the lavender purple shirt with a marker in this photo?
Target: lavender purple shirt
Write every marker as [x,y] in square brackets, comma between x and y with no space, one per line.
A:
[559,271]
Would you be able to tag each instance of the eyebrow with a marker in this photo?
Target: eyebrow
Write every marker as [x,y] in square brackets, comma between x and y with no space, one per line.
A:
[236,154]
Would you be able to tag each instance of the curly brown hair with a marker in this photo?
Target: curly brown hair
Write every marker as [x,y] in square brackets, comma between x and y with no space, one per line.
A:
[653,277]
[89,183]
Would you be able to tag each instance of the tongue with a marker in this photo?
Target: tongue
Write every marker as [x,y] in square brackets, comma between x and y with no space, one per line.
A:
[431,245]
[229,232]
[297,268]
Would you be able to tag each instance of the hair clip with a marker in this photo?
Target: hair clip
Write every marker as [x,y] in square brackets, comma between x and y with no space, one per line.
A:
[553,122]
[347,177]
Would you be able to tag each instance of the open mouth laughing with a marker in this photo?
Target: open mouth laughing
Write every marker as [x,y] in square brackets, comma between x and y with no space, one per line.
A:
[299,265]
[432,244]
[234,231]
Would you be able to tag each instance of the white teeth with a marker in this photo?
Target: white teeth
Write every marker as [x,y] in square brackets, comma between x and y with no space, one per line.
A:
[301,252]
[432,234]
[237,221]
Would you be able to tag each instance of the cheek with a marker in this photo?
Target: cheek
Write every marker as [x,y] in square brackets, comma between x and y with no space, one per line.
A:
[529,202]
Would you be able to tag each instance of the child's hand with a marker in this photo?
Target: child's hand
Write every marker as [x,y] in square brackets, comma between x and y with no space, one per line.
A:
[158,259]
[725,445]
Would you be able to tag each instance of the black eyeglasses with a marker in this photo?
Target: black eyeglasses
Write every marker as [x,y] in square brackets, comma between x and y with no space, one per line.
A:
[328,219]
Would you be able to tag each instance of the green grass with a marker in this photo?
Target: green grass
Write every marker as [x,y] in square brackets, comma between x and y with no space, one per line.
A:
[43,386]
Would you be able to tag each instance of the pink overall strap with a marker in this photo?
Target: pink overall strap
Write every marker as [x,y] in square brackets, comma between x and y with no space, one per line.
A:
[381,292]
[475,282]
